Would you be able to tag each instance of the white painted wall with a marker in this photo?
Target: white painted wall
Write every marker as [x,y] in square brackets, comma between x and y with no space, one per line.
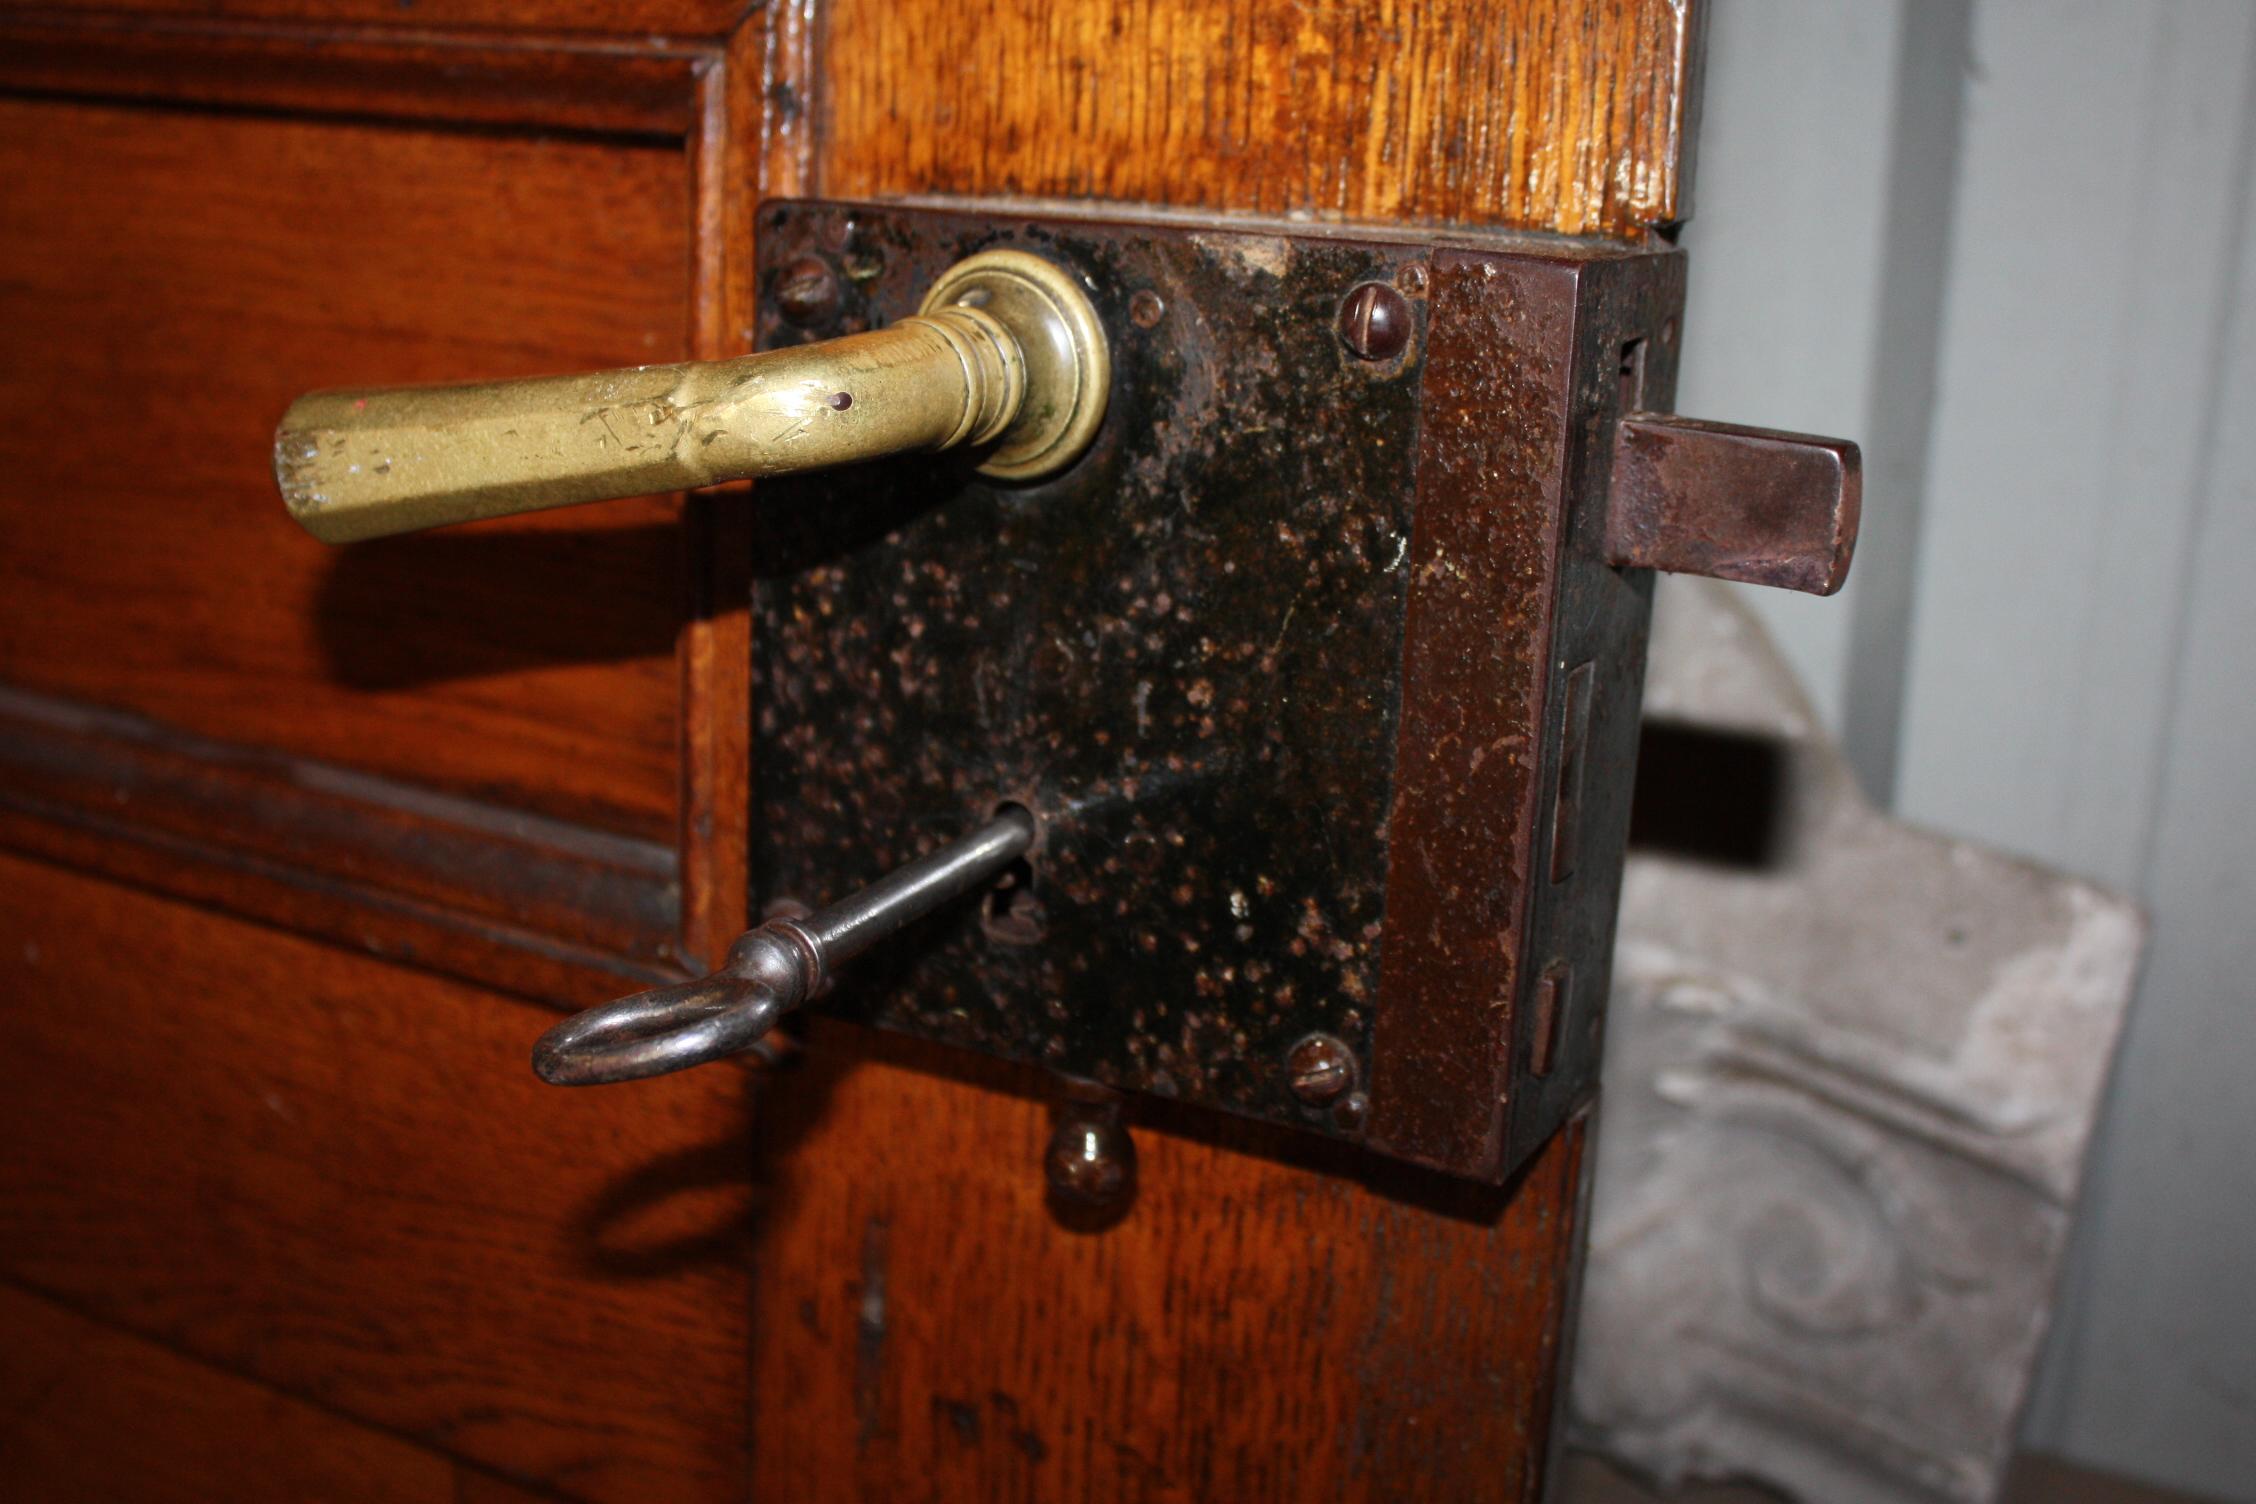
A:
[2011,246]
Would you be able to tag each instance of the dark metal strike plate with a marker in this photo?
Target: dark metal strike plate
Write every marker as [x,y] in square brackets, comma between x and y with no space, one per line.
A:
[1314,671]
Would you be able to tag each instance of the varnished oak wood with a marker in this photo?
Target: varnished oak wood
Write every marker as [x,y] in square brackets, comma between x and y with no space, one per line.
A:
[925,1329]
[392,849]
[716,647]
[169,283]
[671,20]
[338,1177]
[556,82]
[288,895]
[88,1412]
[1550,114]
[1574,115]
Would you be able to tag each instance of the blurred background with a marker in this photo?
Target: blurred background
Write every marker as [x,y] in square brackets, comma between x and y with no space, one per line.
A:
[2032,294]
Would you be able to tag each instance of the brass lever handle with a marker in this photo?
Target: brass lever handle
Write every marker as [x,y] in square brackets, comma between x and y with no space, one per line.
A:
[1007,350]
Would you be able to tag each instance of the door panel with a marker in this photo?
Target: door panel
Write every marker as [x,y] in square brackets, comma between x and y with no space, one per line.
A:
[518,754]
[337,1177]
[70,1388]
[1269,1321]
[647,21]
[181,277]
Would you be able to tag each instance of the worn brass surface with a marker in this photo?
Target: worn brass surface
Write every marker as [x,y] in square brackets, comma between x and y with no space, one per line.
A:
[1007,351]
[1068,364]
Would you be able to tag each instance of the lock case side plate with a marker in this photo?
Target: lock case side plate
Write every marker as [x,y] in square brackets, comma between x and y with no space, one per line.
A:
[1523,673]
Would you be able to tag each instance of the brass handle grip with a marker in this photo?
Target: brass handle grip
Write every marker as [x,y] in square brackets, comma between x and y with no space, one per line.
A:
[1007,351]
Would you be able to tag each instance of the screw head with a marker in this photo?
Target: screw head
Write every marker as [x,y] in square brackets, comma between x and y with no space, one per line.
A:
[1091,1160]
[1146,308]
[1320,1068]
[807,292]
[1374,321]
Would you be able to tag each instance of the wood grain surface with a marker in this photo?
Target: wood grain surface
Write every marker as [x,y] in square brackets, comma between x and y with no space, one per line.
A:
[90,1412]
[1552,114]
[726,154]
[659,20]
[1261,1325]
[169,283]
[339,1177]
[1574,115]
[394,848]
[623,88]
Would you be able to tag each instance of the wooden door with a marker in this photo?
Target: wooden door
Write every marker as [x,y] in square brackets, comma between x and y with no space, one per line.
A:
[299,849]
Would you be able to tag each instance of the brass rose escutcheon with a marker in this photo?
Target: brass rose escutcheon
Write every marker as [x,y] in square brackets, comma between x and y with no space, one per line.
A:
[1006,352]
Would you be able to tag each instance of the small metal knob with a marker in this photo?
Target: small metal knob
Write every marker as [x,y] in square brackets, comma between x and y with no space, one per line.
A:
[1007,351]
[1090,1161]
[770,970]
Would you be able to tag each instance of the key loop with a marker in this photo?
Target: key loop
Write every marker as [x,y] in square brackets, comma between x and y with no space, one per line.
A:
[770,970]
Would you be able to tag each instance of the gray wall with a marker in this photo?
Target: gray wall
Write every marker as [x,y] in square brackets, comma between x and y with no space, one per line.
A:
[2011,246]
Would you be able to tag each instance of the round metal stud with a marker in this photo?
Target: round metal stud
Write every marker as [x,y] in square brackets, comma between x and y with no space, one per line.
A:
[1320,1068]
[1374,321]
[807,292]
[1090,1163]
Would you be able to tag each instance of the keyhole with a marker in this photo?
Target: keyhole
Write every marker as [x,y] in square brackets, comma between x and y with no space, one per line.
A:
[1014,914]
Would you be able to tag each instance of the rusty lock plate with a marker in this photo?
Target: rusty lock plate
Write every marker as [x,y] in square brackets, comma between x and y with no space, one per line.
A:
[1315,671]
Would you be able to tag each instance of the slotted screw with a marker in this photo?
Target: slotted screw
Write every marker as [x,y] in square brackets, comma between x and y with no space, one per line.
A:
[1375,321]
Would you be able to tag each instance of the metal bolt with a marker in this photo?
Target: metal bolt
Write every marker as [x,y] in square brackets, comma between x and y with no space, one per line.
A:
[807,292]
[1411,279]
[1091,1160]
[1320,1068]
[1146,308]
[1375,321]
